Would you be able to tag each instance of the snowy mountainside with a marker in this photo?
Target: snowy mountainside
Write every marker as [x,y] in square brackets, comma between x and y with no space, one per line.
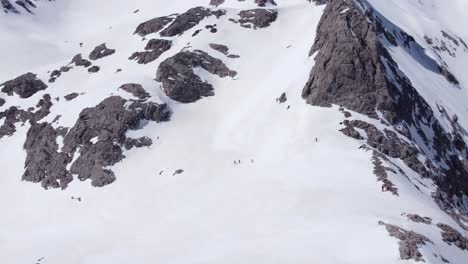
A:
[234,131]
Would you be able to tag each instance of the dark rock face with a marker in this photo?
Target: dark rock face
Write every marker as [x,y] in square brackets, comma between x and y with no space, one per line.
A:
[188,20]
[264,2]
[44,163]
[409,243]
[180,82]
[381,172]
[220,48]
[25,85]
[71,96]
[353,69]
[136,90]
[153,26]
[216,2]
[27,5]
[100,52]
[15,115]
[97,137]
[452,236]
[256,18]
[419,219]
[79,61]
[154,49]
[2,102]
[94,69]
[282,99]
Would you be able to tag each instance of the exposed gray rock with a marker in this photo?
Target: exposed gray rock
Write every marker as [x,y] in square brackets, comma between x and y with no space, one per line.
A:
[100,52]
[257,18]
[71,96]
[136,90]
[419,219]
[188,20]
[153,26]
[137,143]
[353,69]
[216,2]
[44,163]
[409,243]
[79,61]
[451,236]
[180,82]
[25,85]
[264,2]
[282,99]
[381,172]
[15,115]
[154,49]
[220,48]
[2,102]
[94,69]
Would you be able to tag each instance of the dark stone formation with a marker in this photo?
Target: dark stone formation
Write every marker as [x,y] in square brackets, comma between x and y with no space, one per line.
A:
[27,5]
[137,143]
[15,115]
[136,90]
[353,69]
[2,102]
[381,172]
[79,61]
[94,69]
[319,2]
[100,52]
[180,82]
[419,219]
[264,2]
[44,162]
[451,236]
[154,49]
[153,26]
[188,20]
[257,18]
[220,48]
[97,137]
[25,85]
[8,7]
[177,172]
[409,243]
[71,96]
[57,73]
[282,99]
[216,2]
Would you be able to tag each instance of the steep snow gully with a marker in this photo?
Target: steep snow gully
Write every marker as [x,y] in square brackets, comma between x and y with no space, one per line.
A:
[234,131]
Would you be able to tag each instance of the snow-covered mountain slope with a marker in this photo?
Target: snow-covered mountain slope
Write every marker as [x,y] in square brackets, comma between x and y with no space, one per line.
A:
[251,131]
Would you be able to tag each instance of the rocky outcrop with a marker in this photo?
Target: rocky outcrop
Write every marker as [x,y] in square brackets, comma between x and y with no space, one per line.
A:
[256,18]
[136,90]
[409,242]
[353,69]
[71,96]
[220,48]
[419,219]
[216,2]
[188,20]
[96,139]
[79,61]
[263,3]
[15,115]
[154,49]
[100,52]
[94,69]
[452,237]
[153,26]
[180,82]
[25,85]
[10,7]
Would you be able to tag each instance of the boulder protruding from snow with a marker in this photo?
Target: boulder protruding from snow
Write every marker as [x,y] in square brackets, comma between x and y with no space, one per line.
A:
[180,82]
[256,18]
[25,85]
[100,52]
[189,19]
[154,49]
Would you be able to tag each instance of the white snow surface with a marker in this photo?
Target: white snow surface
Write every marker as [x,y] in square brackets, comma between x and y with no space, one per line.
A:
[290,200]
